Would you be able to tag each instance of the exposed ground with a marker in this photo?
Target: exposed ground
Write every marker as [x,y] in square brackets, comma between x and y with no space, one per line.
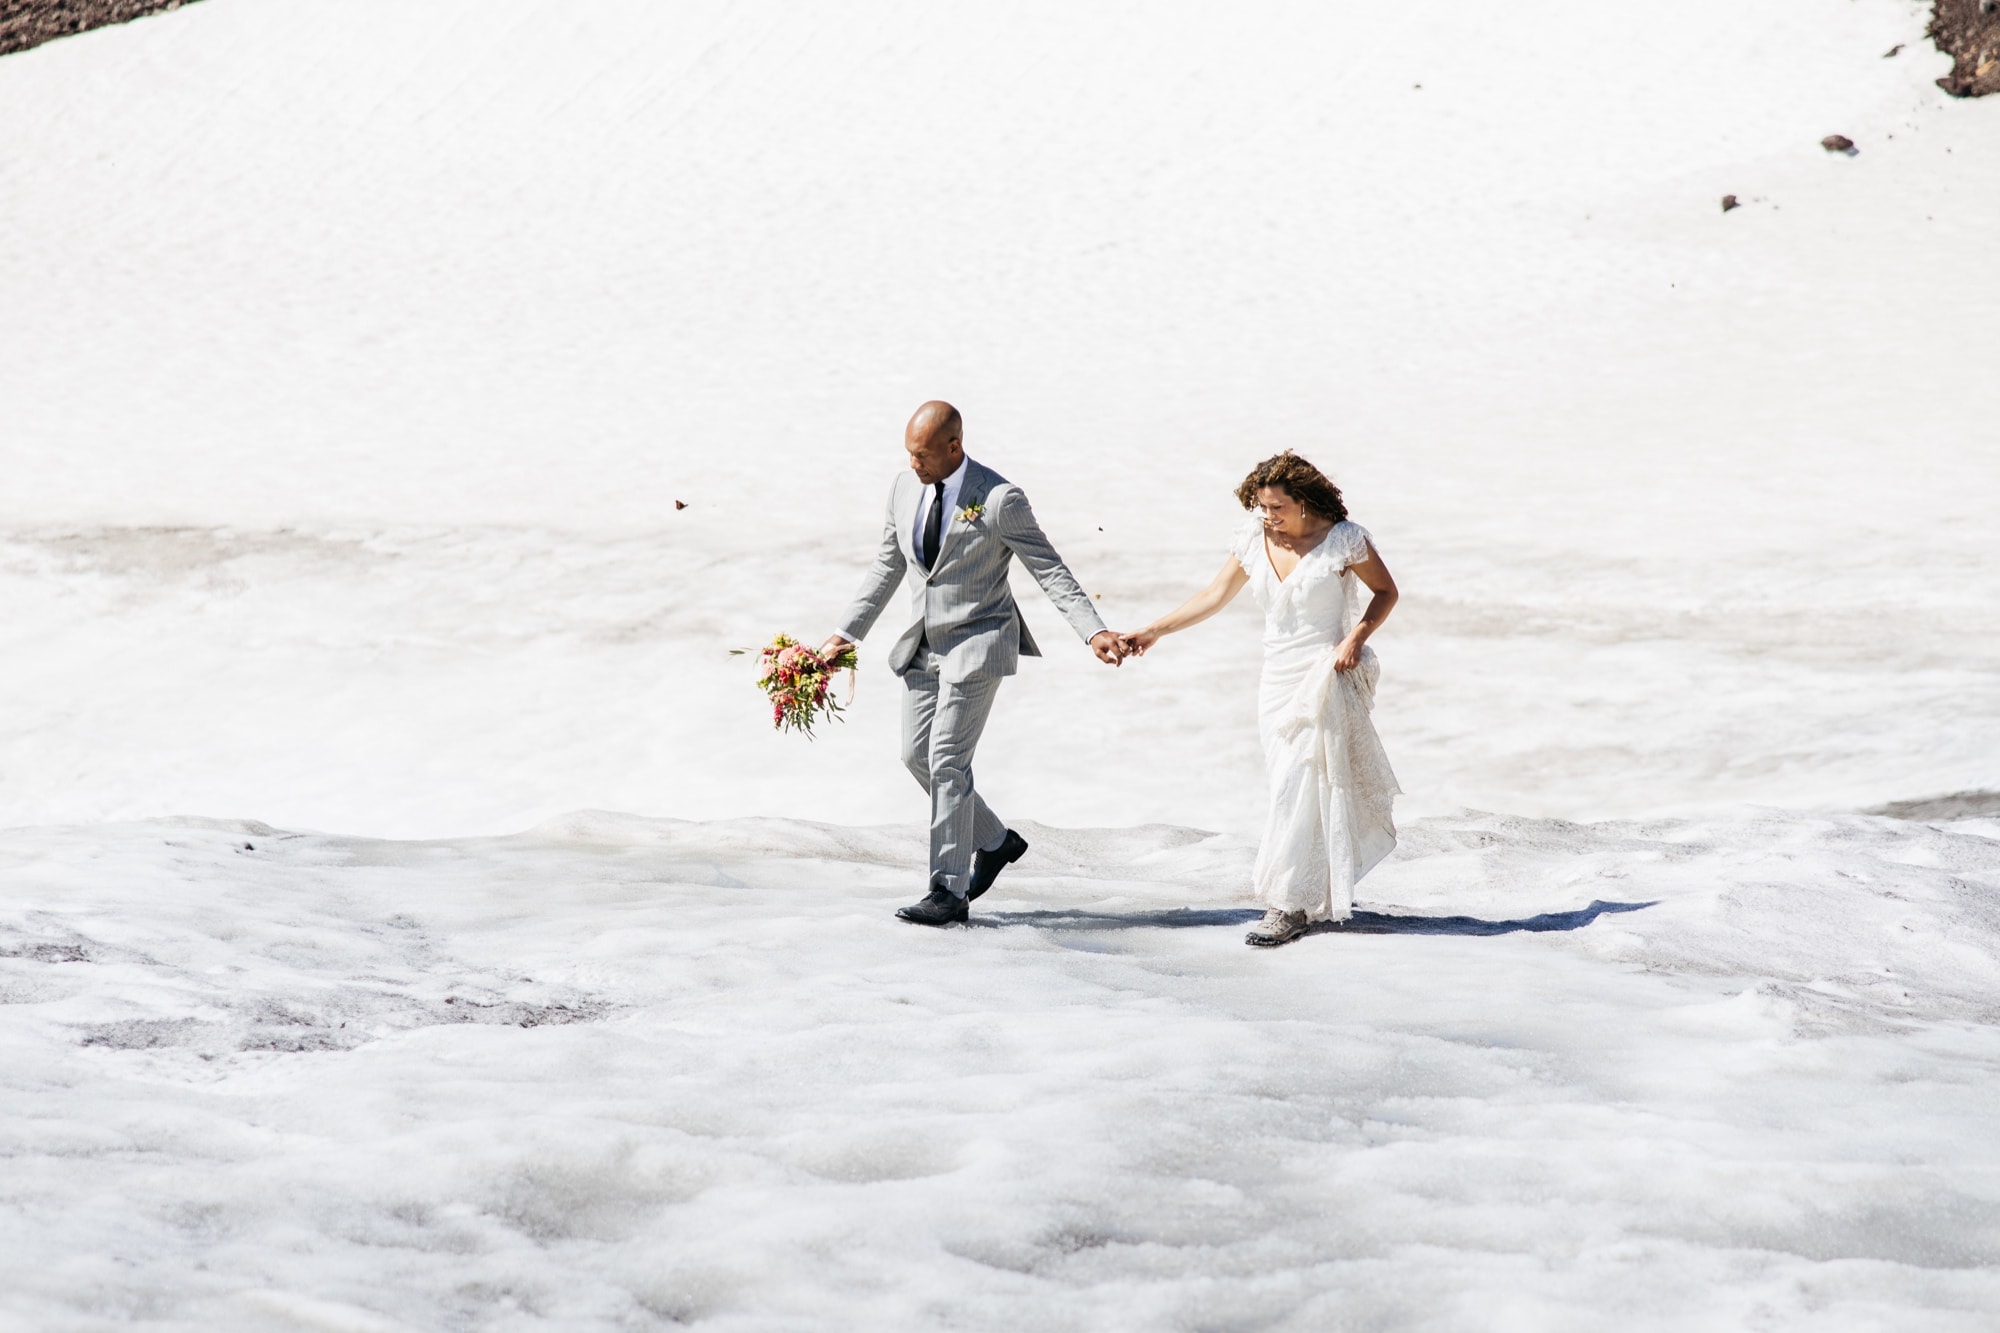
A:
[1958,805]
[26,23]
[1969,32]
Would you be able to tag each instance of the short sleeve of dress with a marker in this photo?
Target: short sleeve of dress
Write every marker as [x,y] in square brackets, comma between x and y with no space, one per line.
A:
[1248,543]
[1350,541]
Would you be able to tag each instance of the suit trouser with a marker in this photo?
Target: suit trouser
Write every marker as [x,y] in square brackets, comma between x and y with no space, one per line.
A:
[942,722]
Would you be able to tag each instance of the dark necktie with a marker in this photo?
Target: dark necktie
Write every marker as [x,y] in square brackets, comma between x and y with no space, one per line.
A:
[933,528]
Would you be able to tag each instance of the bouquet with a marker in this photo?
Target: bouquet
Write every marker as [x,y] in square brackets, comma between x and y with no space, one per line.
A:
[796,679]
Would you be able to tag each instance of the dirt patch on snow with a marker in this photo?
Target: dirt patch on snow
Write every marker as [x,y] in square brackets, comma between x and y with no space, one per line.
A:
[26,23]
[1958,805]
[1969,32]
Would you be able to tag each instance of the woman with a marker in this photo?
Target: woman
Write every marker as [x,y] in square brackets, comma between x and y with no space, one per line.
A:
[1331,786]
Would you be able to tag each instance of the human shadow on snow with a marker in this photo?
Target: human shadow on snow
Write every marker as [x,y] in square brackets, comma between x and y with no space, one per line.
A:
[1390,923]
[1361,923]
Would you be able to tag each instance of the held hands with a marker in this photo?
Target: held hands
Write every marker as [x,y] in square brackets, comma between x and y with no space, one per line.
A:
[1136,644]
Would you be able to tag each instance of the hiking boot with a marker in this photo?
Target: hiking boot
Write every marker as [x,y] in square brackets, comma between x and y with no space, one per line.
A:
[1277,927]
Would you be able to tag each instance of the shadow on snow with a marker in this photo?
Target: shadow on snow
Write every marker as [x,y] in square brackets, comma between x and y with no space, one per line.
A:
[1361,923]
[1390,923]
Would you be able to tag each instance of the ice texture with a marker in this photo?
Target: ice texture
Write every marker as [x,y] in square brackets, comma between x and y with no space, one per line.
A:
[618,1072]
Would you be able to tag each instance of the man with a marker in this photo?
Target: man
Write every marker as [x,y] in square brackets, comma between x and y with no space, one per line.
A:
[953,526]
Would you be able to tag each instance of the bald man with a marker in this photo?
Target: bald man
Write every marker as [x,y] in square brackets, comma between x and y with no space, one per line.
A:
[953,527]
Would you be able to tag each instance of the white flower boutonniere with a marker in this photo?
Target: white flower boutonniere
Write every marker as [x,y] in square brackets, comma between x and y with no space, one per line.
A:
[970,513]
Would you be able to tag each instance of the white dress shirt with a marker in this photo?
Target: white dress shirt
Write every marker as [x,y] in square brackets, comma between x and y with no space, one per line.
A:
[924,499]
[929,493]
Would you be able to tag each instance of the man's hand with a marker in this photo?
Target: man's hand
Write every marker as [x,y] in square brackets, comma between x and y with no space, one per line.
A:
[833,647]
[1108,647]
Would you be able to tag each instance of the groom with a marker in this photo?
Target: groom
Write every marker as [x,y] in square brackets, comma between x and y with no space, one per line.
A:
[953,526]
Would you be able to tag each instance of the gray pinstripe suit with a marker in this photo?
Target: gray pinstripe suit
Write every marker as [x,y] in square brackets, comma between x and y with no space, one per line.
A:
[966,636]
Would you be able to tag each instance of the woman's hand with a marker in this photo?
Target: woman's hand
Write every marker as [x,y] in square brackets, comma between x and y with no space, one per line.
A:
[1136,643]
[1375,575]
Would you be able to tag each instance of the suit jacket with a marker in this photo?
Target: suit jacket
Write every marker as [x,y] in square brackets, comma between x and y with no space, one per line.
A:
[963,608]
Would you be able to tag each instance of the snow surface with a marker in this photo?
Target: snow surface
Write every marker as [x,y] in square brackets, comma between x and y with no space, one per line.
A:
[354,356]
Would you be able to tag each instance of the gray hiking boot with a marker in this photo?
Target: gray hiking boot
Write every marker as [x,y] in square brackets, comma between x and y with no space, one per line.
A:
[1277,927]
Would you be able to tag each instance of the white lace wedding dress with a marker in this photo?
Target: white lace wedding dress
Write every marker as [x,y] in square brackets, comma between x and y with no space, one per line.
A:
[1331,787]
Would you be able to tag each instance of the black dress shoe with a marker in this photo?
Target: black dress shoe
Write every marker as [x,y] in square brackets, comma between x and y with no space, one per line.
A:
[940,907]
[986,866]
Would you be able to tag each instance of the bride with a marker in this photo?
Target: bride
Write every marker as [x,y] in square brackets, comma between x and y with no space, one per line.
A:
[1330,784]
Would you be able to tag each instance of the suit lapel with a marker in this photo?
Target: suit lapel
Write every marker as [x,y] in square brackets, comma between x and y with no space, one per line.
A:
[973,492]
[906,516]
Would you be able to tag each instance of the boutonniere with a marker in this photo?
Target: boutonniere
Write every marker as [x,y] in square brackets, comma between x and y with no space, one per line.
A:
[970,513]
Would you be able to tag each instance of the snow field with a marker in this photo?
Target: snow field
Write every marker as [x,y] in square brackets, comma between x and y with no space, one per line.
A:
[419,322]
[355,355]
[618,1071]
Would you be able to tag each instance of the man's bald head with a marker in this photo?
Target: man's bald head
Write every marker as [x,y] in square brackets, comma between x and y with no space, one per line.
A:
[935,439]
[936,420]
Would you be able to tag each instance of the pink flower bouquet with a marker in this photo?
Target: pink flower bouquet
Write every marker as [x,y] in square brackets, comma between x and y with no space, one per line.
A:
[797,680]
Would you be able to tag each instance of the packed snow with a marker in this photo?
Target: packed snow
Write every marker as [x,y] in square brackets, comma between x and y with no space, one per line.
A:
[408,919]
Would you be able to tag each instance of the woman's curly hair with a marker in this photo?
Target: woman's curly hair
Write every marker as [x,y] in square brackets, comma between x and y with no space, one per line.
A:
[1297,478]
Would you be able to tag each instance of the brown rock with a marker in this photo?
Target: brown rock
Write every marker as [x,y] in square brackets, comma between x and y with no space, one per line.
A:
[1729,202]
[1839,143]
[1969,32]
[26,23]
